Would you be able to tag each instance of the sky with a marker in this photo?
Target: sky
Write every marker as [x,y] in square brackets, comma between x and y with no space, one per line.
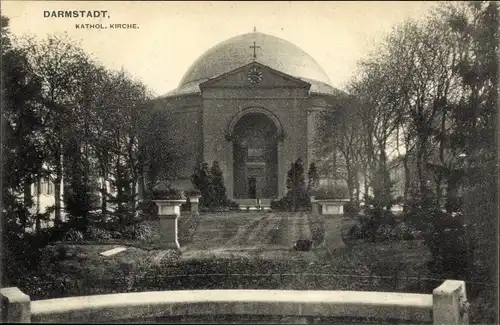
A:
[172,35]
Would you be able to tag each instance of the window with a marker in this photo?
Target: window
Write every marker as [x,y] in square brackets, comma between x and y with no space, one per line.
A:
[34,189]
[50,187]
[46,187]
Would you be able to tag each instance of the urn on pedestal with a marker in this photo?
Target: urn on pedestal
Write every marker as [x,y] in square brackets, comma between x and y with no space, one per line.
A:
[169,203]
[194,201]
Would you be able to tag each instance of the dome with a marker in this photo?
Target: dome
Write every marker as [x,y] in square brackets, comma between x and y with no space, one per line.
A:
[271,51]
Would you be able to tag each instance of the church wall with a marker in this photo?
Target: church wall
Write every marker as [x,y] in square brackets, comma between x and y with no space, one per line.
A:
[220,105]
[187,118]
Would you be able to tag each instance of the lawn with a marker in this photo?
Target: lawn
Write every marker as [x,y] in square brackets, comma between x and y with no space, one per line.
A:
[226,250]
[248,250]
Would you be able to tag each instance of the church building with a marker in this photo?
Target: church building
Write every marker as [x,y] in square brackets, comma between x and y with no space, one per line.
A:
[250,103]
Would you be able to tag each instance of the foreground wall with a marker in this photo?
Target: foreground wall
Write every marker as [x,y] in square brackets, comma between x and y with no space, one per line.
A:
[446,305]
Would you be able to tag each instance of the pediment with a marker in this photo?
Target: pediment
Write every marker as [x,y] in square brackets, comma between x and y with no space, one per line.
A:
[255,75]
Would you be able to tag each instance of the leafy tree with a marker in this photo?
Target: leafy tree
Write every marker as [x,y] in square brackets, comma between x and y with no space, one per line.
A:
[119,199]
[476,25]
[60,65]
[21,146]
[340,143]
[120,125]
[80,164]
[22,157]
[432,85]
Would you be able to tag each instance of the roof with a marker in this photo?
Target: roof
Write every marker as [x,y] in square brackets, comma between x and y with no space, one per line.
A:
[271,51]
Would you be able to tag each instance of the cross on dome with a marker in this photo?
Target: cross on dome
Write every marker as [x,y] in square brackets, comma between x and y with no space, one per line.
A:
[254,47]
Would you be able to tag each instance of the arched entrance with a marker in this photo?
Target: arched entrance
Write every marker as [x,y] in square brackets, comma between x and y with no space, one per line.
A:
[255,156]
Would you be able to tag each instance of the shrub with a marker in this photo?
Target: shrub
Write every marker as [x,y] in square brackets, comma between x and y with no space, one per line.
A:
[143,231]
[62,252]
[209,184]
[331,192]
[193,192]
[355,232]
[351,209]
[317,226]
[186,206]
[98,234]
[139,231]
[303,245]
[297,197]
[128,232]
[116,234]
[202,180]
[312,177]
[377,224]
[218,188]
[165,192]
[402,231]
[481,216]
[375,218]
[233,206]
[384,232]
[73,235]
[418,217]
[21,256]
[286,203]
[148,210]
[447,241]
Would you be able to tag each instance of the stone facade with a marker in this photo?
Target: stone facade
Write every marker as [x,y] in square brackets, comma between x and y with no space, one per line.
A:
[210,110]
[208,120]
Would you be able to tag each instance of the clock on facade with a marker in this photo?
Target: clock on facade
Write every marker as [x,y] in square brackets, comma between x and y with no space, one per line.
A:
[254,75]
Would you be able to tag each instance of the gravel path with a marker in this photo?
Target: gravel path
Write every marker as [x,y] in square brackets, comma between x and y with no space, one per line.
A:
[253,235]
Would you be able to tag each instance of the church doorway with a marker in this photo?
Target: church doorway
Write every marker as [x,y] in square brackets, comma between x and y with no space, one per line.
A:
[255,152]
[252,188]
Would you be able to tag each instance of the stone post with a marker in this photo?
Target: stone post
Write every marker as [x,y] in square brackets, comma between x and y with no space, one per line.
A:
[314,205]
[195,201]
[16,306]
[449,304]
[168,213]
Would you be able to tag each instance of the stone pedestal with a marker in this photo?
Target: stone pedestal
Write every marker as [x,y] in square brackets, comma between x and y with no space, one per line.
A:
[16,306]
[450,304]
[168,213]
[195,203]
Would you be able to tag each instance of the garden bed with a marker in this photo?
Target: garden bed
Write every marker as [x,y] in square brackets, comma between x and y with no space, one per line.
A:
[383,266]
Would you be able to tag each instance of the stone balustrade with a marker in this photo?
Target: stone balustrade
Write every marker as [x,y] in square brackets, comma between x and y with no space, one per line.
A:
[446,305]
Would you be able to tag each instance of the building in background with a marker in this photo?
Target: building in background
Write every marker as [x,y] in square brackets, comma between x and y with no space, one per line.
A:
[251,104]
